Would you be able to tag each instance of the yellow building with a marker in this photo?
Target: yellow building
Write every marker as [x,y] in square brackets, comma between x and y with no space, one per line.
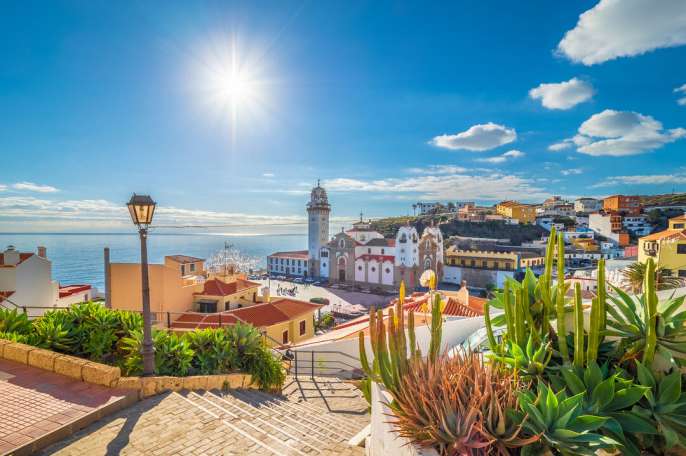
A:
[585,244]
[495,260]
[173,284]
[667,248]
[284,321]
[524,213]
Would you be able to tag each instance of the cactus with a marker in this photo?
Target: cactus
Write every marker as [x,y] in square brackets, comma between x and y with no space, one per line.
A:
[489,328]
[560,299]
[507,305]
[650,313]
[593,333]
[578,328]
[436,328]
[390,343]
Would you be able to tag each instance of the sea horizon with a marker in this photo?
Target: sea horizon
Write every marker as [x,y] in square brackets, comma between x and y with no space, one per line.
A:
[78,258]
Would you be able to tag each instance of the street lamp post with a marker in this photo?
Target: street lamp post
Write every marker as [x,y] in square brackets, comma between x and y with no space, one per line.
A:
[142,208]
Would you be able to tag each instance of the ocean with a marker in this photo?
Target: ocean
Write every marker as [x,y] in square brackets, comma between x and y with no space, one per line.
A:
[78,257]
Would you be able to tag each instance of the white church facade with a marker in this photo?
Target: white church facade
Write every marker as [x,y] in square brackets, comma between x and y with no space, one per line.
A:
[360,256]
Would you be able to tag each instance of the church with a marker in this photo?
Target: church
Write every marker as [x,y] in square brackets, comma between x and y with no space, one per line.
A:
[360,256]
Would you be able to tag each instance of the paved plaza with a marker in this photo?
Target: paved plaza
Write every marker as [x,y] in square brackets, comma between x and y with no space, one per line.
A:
[38,407]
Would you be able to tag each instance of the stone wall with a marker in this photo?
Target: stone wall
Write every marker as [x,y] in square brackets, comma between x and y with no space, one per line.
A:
[110,376]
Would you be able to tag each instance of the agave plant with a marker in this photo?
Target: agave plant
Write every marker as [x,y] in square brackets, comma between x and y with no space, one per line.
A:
[660,417]
[12,321]
[560,422]
[460,406]
[648,327]
[530,361]
[605,394]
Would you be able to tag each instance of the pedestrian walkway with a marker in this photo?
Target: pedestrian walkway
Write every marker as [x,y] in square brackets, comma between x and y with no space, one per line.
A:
[237,422]
[38,407]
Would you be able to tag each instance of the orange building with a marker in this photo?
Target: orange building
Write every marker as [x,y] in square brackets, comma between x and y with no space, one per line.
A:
[627,205]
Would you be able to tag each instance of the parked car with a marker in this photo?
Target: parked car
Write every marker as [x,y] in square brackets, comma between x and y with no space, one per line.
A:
[309,280]
[298,280]
[316,284]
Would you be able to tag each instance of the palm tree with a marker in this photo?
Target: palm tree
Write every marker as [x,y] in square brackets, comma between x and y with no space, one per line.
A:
[635,275]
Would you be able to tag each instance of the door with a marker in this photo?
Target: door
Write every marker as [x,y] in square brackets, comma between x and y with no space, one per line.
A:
[341,275]
[284,337]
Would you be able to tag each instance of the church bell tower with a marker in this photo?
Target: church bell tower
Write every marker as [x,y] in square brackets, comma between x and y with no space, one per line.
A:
[318,210]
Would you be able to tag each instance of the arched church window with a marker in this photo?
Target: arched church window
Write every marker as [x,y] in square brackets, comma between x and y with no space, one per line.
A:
[403,238]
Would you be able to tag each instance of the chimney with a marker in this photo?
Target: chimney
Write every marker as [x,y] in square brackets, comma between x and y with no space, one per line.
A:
[463,293]
[11,256]
[42,252]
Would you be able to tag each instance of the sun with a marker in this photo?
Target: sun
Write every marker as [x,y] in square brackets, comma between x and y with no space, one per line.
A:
[230,84]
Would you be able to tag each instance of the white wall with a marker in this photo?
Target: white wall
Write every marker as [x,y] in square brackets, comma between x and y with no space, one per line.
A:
[387,277]
[455,331]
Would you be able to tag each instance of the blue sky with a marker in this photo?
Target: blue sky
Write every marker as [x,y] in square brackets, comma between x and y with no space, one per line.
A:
[387,102]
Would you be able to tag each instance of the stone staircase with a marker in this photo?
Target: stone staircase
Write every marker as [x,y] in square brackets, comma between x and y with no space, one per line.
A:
[283,425]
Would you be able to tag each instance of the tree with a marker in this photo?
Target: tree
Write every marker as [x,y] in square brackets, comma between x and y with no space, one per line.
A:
[635,275]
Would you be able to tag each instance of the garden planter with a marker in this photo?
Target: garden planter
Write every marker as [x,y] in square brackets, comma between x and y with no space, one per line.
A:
[383,439]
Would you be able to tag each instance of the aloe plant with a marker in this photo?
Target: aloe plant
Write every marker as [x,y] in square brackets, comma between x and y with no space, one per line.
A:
[12,321]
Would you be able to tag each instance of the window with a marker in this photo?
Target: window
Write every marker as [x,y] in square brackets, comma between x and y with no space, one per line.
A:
[325,254]
[473,263]
[373,269]
[183,269]
[679,226]
[682,272]
[359,268]
[681,248]
[496,265]
[192,267]
[388,271]
[303,328]
[369,250]
[383,251]
[284,337]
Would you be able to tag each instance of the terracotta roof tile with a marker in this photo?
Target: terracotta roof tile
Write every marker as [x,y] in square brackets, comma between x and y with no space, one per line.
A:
[666,234]
[300,254]
[215,287]
[184,259]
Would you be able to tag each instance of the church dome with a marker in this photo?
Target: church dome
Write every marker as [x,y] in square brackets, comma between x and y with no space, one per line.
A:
[318,197]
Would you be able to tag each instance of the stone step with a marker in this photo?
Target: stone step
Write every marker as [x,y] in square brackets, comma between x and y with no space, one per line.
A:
[293,421]
[326,418]
[247,430]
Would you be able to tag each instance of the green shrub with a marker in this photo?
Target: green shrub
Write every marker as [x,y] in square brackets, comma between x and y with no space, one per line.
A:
[12,321]
[115,337]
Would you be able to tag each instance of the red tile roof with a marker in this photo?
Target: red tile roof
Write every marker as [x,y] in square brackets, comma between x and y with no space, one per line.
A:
[22,257]
[5,294]
[69,290]
[453,306]
[258,315]
[299,254]
[215,287]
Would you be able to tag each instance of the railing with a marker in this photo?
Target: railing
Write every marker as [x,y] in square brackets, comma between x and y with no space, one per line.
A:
[318,363]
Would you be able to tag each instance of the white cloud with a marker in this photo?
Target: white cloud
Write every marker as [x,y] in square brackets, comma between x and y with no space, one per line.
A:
[477,138]
[488,186]
[646,179]
[619,133]
[625,28]
[503,157]
[571,171]
[3,187]
[682,91]
[268,175]
[438,169]
[107,213]
[562,95]
[576,140]
[31,187]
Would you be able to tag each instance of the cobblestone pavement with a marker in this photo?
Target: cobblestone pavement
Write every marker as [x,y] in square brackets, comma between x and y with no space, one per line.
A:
[239,422]
[35,403]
